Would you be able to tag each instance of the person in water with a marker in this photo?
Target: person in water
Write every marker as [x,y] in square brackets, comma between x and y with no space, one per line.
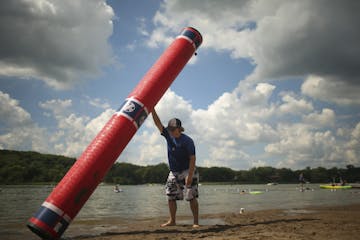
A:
[302,181]
[183,176]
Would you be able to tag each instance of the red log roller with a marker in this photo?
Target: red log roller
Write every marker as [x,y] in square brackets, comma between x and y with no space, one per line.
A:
[69,196]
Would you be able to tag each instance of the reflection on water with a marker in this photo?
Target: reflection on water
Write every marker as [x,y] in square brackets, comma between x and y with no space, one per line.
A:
[133,202]
[18,203]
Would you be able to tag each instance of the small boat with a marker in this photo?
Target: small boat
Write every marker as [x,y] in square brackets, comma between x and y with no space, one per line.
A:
[355,185]
[255,192]
[117,189]
[251,192]
[335,186]
[272,184]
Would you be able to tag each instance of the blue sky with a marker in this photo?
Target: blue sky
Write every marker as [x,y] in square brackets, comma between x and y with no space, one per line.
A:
[264,90]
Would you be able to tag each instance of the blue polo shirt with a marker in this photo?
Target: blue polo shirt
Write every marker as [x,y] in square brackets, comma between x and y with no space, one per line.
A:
[179,151]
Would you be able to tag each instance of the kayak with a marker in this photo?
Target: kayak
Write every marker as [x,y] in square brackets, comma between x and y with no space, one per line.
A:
[355,185]
[255,192]
[335,187]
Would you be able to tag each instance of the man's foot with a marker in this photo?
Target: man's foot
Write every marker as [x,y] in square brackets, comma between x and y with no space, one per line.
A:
[196,225]
[168,223]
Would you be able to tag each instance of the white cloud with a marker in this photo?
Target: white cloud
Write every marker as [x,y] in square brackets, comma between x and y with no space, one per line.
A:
[57,107]
[352,151]
[99,103]
[147,147]
[73,132]
[294,106]
[76,132]
[324,119]
[300,146]
[260,96]
[17,130]
[303,145]
[25,138]
[220,132]
[232,132]
[66,42]
[266,34]
[235,132]
[12,115]
[159,36]
[142,27]
[331,90]
[226,153]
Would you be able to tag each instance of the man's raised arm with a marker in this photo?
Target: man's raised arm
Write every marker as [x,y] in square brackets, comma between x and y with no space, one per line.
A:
[157,121]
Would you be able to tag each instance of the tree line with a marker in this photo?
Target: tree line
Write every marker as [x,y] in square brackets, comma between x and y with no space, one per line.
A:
[17,167]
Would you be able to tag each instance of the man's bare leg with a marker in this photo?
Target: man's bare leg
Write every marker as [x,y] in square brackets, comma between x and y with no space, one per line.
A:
[172,210]
[195,211]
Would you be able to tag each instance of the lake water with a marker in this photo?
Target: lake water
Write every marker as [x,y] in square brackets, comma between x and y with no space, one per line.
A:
[18,203]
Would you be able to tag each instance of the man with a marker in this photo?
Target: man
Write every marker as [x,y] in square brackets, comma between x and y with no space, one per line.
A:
[181,157]
[302,181]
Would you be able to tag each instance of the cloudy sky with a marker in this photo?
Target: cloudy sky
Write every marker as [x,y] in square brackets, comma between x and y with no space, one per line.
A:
[275,83]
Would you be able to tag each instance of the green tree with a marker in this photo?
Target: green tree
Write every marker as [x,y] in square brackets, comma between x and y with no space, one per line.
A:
[18,167]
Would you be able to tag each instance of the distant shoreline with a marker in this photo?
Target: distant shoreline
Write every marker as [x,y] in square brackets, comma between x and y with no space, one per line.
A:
[21,167]
[143,184]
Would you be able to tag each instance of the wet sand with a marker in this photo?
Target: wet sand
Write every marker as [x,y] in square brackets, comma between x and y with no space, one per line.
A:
[320,223]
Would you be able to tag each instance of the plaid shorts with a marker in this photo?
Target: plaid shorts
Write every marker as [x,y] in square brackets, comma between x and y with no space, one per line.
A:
[175,186]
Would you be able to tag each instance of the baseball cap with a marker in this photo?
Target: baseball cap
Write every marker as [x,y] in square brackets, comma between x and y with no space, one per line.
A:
[175,123]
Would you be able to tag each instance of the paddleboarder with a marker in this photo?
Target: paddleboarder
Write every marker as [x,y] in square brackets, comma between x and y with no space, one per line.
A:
[183,176]
[302,181]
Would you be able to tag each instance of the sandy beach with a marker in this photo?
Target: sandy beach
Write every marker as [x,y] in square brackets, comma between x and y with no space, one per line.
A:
[320,223]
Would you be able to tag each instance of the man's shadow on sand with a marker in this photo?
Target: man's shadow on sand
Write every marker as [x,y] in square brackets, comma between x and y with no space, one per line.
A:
[185,228]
